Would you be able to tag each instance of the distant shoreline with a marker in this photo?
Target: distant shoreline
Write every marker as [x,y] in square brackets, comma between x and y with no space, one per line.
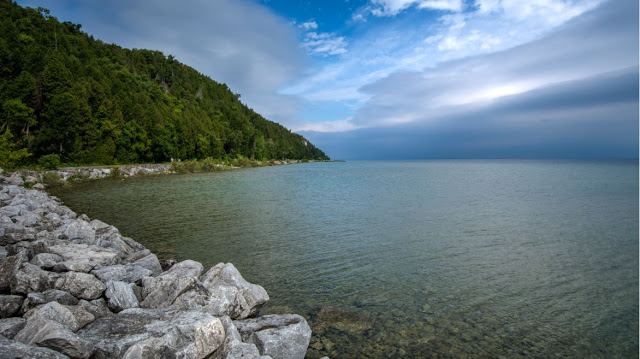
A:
[69,175]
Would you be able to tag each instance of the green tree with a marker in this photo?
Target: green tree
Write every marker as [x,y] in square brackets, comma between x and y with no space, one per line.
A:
[10,155]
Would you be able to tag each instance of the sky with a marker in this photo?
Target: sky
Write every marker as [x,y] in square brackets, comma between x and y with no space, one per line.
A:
[406,79]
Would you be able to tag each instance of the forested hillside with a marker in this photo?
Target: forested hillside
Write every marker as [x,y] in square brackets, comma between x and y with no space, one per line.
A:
[63,92]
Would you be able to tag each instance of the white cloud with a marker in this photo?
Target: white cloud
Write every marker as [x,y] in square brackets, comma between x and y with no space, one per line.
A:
[325,44]
[309,25]
[394,7]
[586,48]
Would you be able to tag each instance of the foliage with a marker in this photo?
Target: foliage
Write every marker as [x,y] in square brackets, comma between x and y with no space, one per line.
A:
[10,157]
[52,179]
[50,161]
[63,92]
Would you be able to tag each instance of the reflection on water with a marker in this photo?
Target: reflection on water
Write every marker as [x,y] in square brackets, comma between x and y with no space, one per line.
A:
[443,259]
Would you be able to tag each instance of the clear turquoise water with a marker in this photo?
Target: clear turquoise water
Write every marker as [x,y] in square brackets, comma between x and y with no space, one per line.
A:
[443,259]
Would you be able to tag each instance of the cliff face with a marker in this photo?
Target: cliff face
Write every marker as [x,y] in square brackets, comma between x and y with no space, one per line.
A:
[75,287]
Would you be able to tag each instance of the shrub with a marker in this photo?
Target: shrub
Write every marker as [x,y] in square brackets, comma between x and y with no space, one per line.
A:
[78,177]
[52,179]
[178,167]
[50,162]
[208,164]
[116,173]
[191,166]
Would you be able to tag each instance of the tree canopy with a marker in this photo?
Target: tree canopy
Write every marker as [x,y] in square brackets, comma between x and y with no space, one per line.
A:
[63,92]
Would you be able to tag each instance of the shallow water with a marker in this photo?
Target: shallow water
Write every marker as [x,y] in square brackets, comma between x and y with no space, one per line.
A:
[442,259]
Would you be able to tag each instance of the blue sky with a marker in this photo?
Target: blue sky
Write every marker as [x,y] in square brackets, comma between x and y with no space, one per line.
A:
[369,79]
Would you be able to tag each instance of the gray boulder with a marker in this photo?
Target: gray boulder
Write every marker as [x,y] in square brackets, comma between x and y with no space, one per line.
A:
[187,268]
[46,260]
[233,347]
[160,292]
[29,278]
[9,327]
[280,336]
[98,307]
[148,333]
[79,230]
[220,300]
[35,299]
[129,273]
[227,275]
[120,296]
[151,263]
[3,252]
[10,305]
[78,265]
[7,266]
[53,335]
[80,251]
[137,255]
[81,285]
[83,316]
[10,349]
[55,312]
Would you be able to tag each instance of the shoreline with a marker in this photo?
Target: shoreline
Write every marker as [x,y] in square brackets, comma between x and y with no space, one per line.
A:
[75,287]
[67,175]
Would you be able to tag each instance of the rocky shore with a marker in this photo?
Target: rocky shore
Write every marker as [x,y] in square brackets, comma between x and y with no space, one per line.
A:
[72,287]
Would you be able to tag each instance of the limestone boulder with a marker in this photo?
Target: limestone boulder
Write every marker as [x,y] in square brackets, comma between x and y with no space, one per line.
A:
[149,262]
[187,268]
[220,300]
[78,252]
[79,230]
[152,333]
[9,327]
[161,292]
[120,296]
[52,295]
[55,312]
[10,349]
[10,305]
[53,335]
[227,275]
[233,347]
[81,285]
[46,260]
[28,278]
[279,336]
[129,273]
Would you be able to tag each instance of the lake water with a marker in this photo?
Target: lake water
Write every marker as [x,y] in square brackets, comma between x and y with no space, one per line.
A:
[442,259]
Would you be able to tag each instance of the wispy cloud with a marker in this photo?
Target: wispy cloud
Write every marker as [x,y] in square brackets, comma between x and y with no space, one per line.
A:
[485,27]
[393,7]
[572,93]
[324,44]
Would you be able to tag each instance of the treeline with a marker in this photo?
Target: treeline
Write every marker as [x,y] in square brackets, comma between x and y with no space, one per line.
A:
[66,94]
